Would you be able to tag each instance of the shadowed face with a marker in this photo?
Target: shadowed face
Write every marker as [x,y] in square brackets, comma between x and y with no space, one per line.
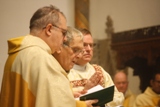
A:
[155,84]
[121,82]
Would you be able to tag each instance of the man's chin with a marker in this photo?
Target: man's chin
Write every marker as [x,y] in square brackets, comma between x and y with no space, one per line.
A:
[87,59]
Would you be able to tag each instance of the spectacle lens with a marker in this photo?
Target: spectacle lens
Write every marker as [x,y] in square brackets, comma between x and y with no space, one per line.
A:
[92,45]
[64,32]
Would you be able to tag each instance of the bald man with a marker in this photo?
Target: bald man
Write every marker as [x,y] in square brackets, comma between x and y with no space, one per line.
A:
[121,81]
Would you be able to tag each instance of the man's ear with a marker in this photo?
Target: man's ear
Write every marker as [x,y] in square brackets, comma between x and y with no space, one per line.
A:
[48,29]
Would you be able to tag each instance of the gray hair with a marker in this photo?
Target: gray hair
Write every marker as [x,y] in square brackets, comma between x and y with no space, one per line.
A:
[71,34]
[44,16]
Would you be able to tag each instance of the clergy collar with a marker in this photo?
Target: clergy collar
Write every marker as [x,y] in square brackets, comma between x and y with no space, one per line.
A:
[79,67]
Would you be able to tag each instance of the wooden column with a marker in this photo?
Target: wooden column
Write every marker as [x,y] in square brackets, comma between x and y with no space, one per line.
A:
[82,14]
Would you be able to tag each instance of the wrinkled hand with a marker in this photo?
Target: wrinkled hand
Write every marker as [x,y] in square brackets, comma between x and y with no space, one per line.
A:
[93,81]
[79,93]
[90,102]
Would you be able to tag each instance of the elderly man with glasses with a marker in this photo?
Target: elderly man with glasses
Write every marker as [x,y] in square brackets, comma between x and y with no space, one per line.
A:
[84,76]
[67,55]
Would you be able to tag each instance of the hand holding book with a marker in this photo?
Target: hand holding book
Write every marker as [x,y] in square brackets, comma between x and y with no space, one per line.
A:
[103,95]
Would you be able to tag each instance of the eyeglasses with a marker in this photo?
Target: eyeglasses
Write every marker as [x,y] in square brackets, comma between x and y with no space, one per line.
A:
[75,50]
[64,32]
[92,45]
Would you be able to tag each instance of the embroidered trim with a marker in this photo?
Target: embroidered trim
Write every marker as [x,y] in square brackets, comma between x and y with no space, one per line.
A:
[83,82]
[98,69]
[77,83]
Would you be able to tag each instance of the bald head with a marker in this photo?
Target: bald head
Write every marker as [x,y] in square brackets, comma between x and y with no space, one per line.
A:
[121,81]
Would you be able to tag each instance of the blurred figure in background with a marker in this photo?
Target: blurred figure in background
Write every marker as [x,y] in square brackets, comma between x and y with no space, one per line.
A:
[121,81]
[151,96]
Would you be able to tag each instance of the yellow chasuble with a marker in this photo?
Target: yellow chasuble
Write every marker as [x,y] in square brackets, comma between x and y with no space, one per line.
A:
[33,77]
[129,99]
[147,99]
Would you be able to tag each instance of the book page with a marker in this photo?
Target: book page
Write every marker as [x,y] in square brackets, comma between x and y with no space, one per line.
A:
[96,88]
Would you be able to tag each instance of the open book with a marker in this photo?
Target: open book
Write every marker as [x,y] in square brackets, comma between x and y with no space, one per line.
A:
[104,95]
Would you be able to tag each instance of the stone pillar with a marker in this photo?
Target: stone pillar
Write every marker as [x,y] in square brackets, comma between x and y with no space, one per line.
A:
[82,14]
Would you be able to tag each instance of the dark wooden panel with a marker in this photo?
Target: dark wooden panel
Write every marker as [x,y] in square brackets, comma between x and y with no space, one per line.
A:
[140,46]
